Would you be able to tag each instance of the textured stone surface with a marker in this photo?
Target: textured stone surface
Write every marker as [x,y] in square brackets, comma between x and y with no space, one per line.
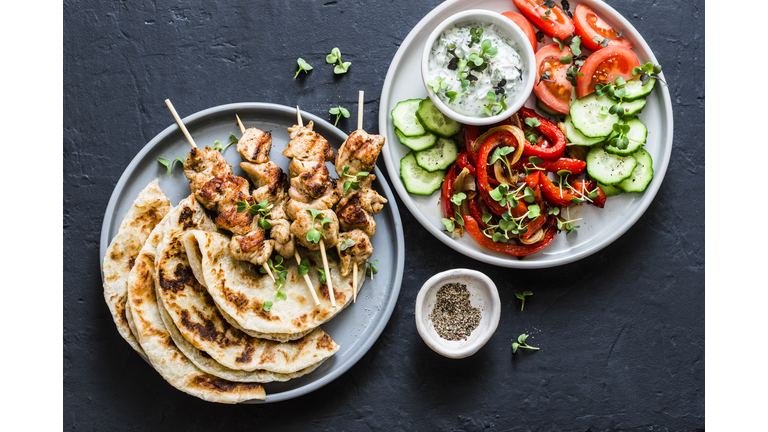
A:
[621,332]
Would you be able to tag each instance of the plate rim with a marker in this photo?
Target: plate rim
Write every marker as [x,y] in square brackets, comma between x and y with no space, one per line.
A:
[394,293]
[510,262]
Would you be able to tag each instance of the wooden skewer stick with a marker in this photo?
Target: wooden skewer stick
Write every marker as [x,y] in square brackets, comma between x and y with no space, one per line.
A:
[306,279]
[322,243]
[265,265]
[359,127]
[180,123]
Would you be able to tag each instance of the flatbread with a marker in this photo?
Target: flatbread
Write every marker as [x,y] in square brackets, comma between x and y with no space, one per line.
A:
[211,366]
[240,292]
[192,311]
[158,345]
[149,208]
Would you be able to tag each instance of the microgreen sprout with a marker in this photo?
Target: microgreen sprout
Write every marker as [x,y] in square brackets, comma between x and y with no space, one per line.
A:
[475,36]
[438,83]
[451,96]
[499,154]
[621,140]
[566,59]
[546,76]
[603,42]
[458,198]
[535,161]
[450,223]
[305,267]
[532,122]
[567,223]
[217,145]
[491,97]
[521,343]
[355,183]
[370,268]
[346,244]
[522,297]
[279,271]
[335,56]
[648,71]
[261,208]
[313,234]
[338,111]
[169,165]
[303,66]
[547,5]
[267,306]
[566,8]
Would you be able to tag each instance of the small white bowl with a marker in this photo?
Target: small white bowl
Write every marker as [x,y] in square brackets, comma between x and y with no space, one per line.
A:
[482,294]
[506,28]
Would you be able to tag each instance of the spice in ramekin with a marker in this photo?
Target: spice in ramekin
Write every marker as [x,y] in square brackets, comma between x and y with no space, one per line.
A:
[453,315]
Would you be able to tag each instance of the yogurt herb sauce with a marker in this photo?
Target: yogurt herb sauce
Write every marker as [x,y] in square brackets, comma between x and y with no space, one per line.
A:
[450,70]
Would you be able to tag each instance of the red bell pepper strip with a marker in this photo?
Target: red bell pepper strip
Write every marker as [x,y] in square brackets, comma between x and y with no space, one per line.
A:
[552,133]
[587,186]
[575,166]
[553,194]
[463,161]
[532,180]
[539,221]
[470,135]
[472,227]
[483,183]
[476,209]
[446,192]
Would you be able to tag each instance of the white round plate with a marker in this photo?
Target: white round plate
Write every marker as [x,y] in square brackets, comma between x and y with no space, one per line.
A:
[598,227]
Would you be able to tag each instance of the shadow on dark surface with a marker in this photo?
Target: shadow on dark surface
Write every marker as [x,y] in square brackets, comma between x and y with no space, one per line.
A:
[621,332]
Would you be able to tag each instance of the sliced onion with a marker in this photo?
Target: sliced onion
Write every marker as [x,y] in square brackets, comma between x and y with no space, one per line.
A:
[539,236]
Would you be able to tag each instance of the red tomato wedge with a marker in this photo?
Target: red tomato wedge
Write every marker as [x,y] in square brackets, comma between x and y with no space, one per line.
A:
[589,25]
[604,66]
[556,94]
[524,25]
[556,24]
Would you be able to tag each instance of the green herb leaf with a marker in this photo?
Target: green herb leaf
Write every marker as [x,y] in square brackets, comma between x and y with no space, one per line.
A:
[346,244]
[279,295]
[532,122]
[522,297]
[458,198]
[449,225]
[515,345]
[370,268]
[333,57]
[576,45]
[486,217]
[267,306]
[566,59]
[303,66]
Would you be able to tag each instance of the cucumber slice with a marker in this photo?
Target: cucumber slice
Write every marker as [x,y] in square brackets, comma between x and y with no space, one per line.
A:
[636,89]
[542,106]
[633,108]
[439,157]
[404,118]
[641,175]
[435,121]
[418,181]
[637,135]
[577,138]
[607,168]
[610,190]
[417,143]
[590,115]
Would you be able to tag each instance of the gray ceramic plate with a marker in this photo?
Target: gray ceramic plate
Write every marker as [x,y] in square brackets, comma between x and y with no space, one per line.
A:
[357,327]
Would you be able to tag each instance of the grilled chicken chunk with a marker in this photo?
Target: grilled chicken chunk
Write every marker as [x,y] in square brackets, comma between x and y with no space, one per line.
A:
[200,166]
[307,144]
[254,145]
[364,197]
[303,223]
[299,203]
[280,232]
[264,174]
[251,247]
[358,253]
[222,192]
[359,152]
[315,182]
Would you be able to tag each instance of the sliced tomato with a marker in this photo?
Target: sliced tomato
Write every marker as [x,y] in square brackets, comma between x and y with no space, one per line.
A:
[589,25]
[604,66]
[556,91]
[556,24]
[524,25]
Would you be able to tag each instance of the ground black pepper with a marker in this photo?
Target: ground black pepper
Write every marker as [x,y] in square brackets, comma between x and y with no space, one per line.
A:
[453,315]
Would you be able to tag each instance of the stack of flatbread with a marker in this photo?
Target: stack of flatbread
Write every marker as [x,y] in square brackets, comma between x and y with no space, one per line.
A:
[203,319]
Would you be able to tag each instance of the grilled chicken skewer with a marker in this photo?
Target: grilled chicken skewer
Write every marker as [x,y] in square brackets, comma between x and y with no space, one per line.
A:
[356,159]
[312,190]
[254,147]
[214,186]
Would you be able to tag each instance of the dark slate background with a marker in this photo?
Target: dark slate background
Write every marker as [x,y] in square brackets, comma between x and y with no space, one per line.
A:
[621,332]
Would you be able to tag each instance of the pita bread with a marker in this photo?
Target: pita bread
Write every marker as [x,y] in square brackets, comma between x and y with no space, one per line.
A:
[158,345]
[149,208]
[240,292]
[211,366]
[192,311]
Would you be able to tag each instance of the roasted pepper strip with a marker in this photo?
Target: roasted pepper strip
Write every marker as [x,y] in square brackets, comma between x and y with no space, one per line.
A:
[476,209]
[575,166]
[470,136]
[598,201]
[472,227]
[537,223]
[446,192]
[553,194]
[463,161]
[552,133]
[483,183]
